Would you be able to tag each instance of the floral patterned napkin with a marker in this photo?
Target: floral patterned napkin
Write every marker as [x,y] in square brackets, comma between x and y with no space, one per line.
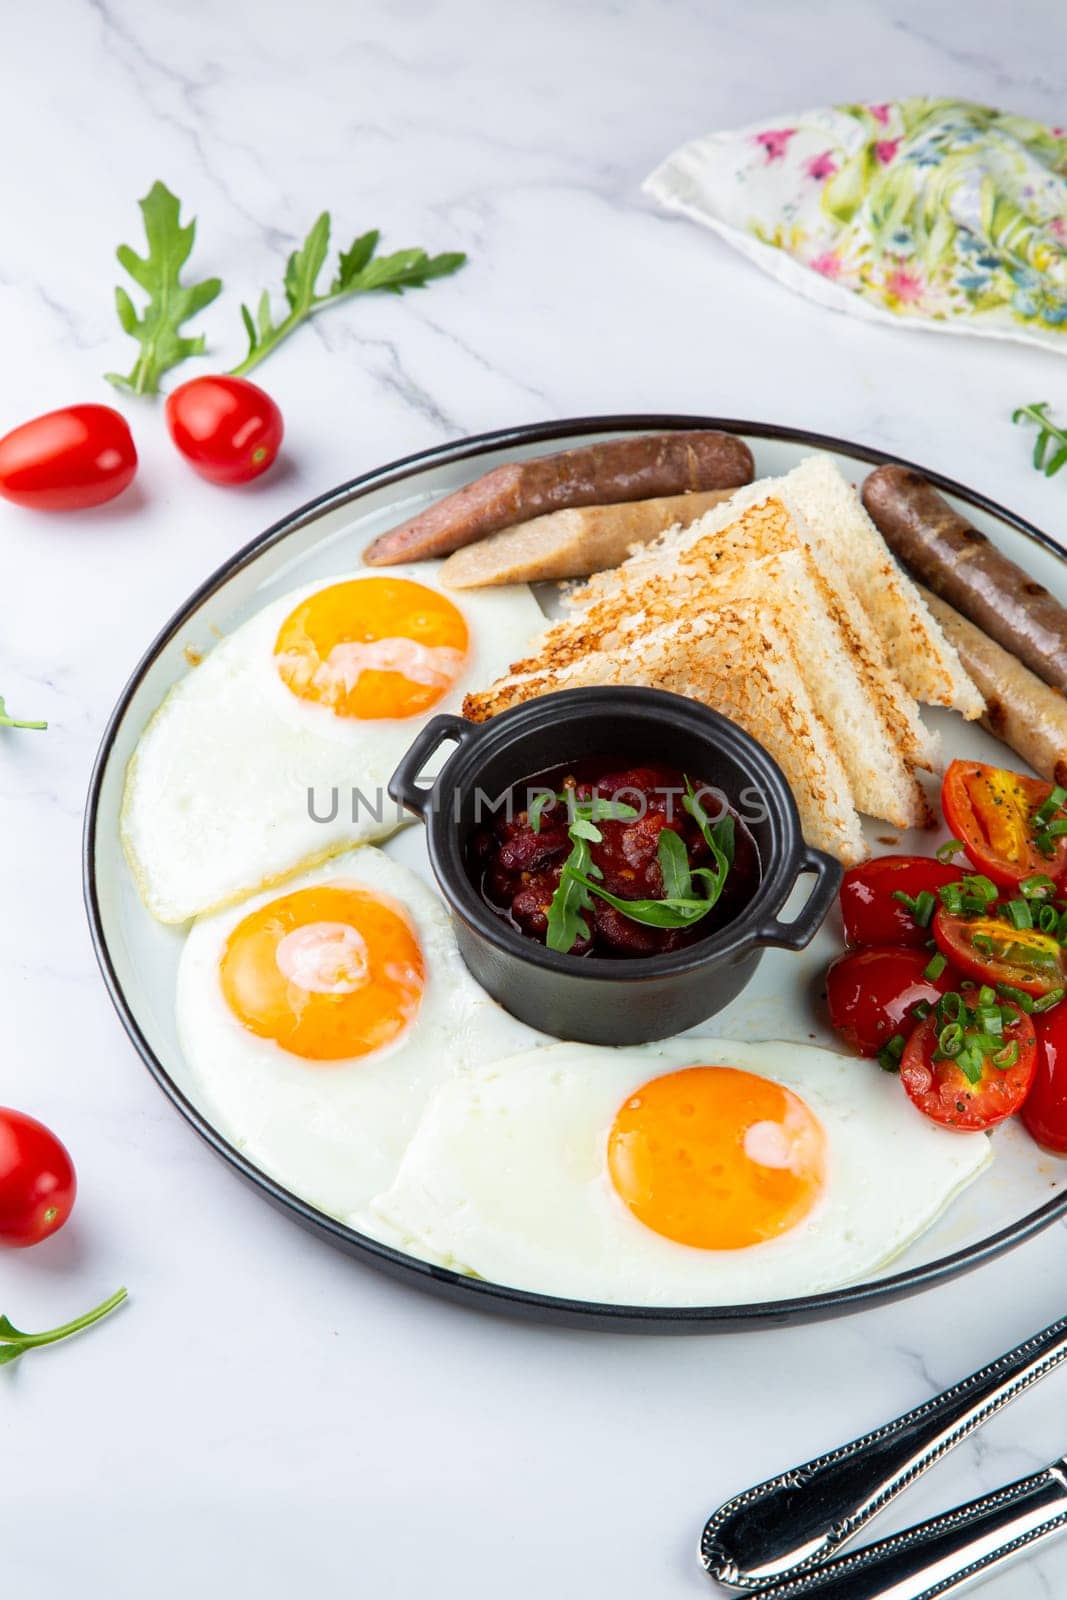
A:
[950,215]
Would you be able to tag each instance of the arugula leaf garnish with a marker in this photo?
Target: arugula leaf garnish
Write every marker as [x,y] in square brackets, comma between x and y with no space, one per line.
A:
[7,721]
[566,923]
[1048,435]
[14,1343]
[170,302]
[359,271]
[681,904]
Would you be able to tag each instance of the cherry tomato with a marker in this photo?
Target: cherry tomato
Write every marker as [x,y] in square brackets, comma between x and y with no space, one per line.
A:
[871,914]
[992,811]
[69,459]
[992,951]
[37,1182]
[944,1092]
[229,429]
[871,993]
[1044,1114]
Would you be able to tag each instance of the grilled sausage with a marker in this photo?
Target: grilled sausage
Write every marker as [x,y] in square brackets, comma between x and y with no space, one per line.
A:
[961,565]
[574,543]
[642,467]
[1030,717]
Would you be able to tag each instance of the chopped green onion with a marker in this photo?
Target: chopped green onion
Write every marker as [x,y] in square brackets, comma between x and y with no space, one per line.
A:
[935,967]
[925,906]
[1048,919]
[1045,840]
[1039,887]
[971,1062]
[987,996]
[981,887]
[950,848]
[1008,1057]
[1018,997]
[951,1007]
[1048,808]
[983,943]
[1019,913]
[922,907]
[890,1054]
[920,1010]
[990,1020]
[1047,1001]
[950,1039]
[952,898]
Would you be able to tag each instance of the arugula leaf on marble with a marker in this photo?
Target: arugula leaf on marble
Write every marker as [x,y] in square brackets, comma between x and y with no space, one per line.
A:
[359,271]
[171,303]
[1048,435]
[14,1343]
[7,721]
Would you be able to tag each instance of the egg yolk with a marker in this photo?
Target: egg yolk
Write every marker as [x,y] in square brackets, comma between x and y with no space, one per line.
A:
[327,973]
[717,1158]
[372,648]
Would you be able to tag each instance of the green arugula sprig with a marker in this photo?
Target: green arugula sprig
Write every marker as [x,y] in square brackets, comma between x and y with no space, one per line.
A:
[1049,437]
[15,1343]
[581,878]
[171,303]
[359,271]
[7,721]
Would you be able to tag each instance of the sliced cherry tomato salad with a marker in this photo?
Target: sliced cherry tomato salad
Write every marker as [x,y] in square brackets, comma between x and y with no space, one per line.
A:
[1011,826]
[970,1063]
[956,971]
[993,950]
[878,898]
[872,994]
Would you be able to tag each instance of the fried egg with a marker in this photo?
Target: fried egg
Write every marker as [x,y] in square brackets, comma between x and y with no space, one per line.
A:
[694,1172]
[316,1021]
[275,751]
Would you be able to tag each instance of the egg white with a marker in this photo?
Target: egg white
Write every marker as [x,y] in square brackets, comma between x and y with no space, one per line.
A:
[507,1178]
[334,1132]
[216,801]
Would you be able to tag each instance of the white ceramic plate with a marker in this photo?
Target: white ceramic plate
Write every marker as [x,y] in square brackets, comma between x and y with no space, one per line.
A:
[1023,1191]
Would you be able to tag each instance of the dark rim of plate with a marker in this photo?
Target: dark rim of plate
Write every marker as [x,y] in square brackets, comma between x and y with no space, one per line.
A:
[476,1292]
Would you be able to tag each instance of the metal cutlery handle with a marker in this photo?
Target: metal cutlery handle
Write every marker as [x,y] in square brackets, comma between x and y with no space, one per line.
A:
[800,1518]
[943,1556]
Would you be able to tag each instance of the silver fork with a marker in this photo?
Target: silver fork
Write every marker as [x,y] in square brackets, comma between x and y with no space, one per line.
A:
[784,1527]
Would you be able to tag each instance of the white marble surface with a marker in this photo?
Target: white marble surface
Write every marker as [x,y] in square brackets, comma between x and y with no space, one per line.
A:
[263,1413]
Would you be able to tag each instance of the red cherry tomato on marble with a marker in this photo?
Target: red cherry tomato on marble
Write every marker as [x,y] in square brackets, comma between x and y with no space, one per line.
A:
[37,1182]
[67,460]
[946,1094]
[870,913]
[1044,1114]
[871,993]
[230,430]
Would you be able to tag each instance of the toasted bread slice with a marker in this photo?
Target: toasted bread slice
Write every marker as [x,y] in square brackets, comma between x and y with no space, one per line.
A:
[840,528]
[844,685]
[759,522]
[740,659]
[873,720]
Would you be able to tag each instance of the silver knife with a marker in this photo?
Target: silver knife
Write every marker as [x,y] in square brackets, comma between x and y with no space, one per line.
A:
[802,1517]
[945,1555]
